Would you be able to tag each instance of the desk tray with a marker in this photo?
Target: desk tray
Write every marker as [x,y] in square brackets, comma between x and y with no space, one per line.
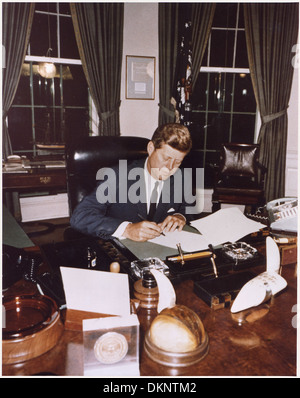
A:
[220,292]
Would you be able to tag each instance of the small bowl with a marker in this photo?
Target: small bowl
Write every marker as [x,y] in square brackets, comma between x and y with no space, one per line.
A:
[31,327]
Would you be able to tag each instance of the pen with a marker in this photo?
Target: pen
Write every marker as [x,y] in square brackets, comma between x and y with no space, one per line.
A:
[180,253]
[212,259]
[191,256]
[144,219]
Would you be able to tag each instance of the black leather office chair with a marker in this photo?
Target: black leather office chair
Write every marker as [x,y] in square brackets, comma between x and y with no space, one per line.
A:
[89,154]
[239,177]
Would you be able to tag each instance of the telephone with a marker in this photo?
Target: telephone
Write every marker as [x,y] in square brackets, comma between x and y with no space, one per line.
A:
[283,214]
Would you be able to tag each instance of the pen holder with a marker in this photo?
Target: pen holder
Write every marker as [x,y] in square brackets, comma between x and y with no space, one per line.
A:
[145,288]
[146,291]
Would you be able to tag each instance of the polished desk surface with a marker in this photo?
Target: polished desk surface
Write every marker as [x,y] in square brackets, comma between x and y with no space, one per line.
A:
[266,347]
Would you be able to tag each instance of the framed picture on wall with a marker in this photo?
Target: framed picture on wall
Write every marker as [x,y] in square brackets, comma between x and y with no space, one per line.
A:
[140,77]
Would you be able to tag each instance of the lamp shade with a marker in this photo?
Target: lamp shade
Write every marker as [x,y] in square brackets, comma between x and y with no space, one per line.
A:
[47,70]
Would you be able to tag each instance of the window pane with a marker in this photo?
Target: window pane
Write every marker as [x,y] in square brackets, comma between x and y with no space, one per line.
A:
[205,56]
[241,16]
[211,158]
[46,7]
[50,125]
[241,60]
[244,100]
[20,129]
[45,91]
[22,96]
[68,45]
[64,8]
[220,92]
[243,128]
[75,87]
[39,39]
[197,129]
[200,92]
[44,125]
[218,129]
[77,121]
[225,15]
[222,42]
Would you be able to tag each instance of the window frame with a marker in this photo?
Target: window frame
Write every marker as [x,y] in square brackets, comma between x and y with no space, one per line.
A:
[29,58]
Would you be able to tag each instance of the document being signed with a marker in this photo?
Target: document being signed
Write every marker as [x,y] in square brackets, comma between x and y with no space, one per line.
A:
[225,225]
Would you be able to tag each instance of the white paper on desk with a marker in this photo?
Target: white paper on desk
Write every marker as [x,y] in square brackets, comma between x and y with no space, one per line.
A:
[189,241]
[96,291]
[226,225]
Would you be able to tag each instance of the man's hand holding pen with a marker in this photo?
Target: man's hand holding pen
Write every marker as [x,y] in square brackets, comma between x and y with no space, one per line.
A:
[142,231]
[146,230]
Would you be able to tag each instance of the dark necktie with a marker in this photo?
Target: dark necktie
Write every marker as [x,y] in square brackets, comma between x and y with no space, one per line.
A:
[153,202]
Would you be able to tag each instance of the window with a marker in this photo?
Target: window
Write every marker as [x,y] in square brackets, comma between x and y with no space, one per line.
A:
[224,107]
[47,111]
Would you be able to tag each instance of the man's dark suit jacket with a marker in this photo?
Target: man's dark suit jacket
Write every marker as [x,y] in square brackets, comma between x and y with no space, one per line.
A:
[101,220]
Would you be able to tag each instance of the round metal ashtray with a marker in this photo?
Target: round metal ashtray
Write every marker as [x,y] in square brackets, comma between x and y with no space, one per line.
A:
[31,327]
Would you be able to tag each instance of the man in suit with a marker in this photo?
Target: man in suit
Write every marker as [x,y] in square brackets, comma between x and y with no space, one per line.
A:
[124,204]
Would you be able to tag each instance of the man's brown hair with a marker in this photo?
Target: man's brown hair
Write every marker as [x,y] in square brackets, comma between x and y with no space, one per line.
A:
[174,134]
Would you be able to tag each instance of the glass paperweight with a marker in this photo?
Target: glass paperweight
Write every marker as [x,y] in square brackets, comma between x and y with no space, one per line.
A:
[176,338]
[111,346]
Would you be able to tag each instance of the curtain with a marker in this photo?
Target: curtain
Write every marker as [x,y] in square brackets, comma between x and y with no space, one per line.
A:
[168,42]
[183,33]
[16,27]
[99,34]
[271,31]
[202,18]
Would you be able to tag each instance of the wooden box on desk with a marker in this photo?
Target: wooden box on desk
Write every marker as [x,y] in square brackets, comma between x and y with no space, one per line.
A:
[288,254]
[74,318]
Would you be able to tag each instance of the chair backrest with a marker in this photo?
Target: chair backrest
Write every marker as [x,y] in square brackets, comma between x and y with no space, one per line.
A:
[239,160]
[89,154]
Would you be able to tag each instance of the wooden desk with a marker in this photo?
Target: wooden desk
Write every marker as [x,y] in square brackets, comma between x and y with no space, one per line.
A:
[266,347]
[35,180]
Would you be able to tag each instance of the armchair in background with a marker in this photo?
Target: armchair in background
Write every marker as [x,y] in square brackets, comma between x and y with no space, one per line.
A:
[239,177]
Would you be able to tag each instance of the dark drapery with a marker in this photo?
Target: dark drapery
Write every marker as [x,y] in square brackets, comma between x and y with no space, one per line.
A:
[271,31]
[183,33]
[168,14]
[99,33]
[202,18]
[16,27]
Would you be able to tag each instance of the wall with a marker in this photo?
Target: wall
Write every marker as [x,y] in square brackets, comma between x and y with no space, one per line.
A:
[139,117]
[291,183]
